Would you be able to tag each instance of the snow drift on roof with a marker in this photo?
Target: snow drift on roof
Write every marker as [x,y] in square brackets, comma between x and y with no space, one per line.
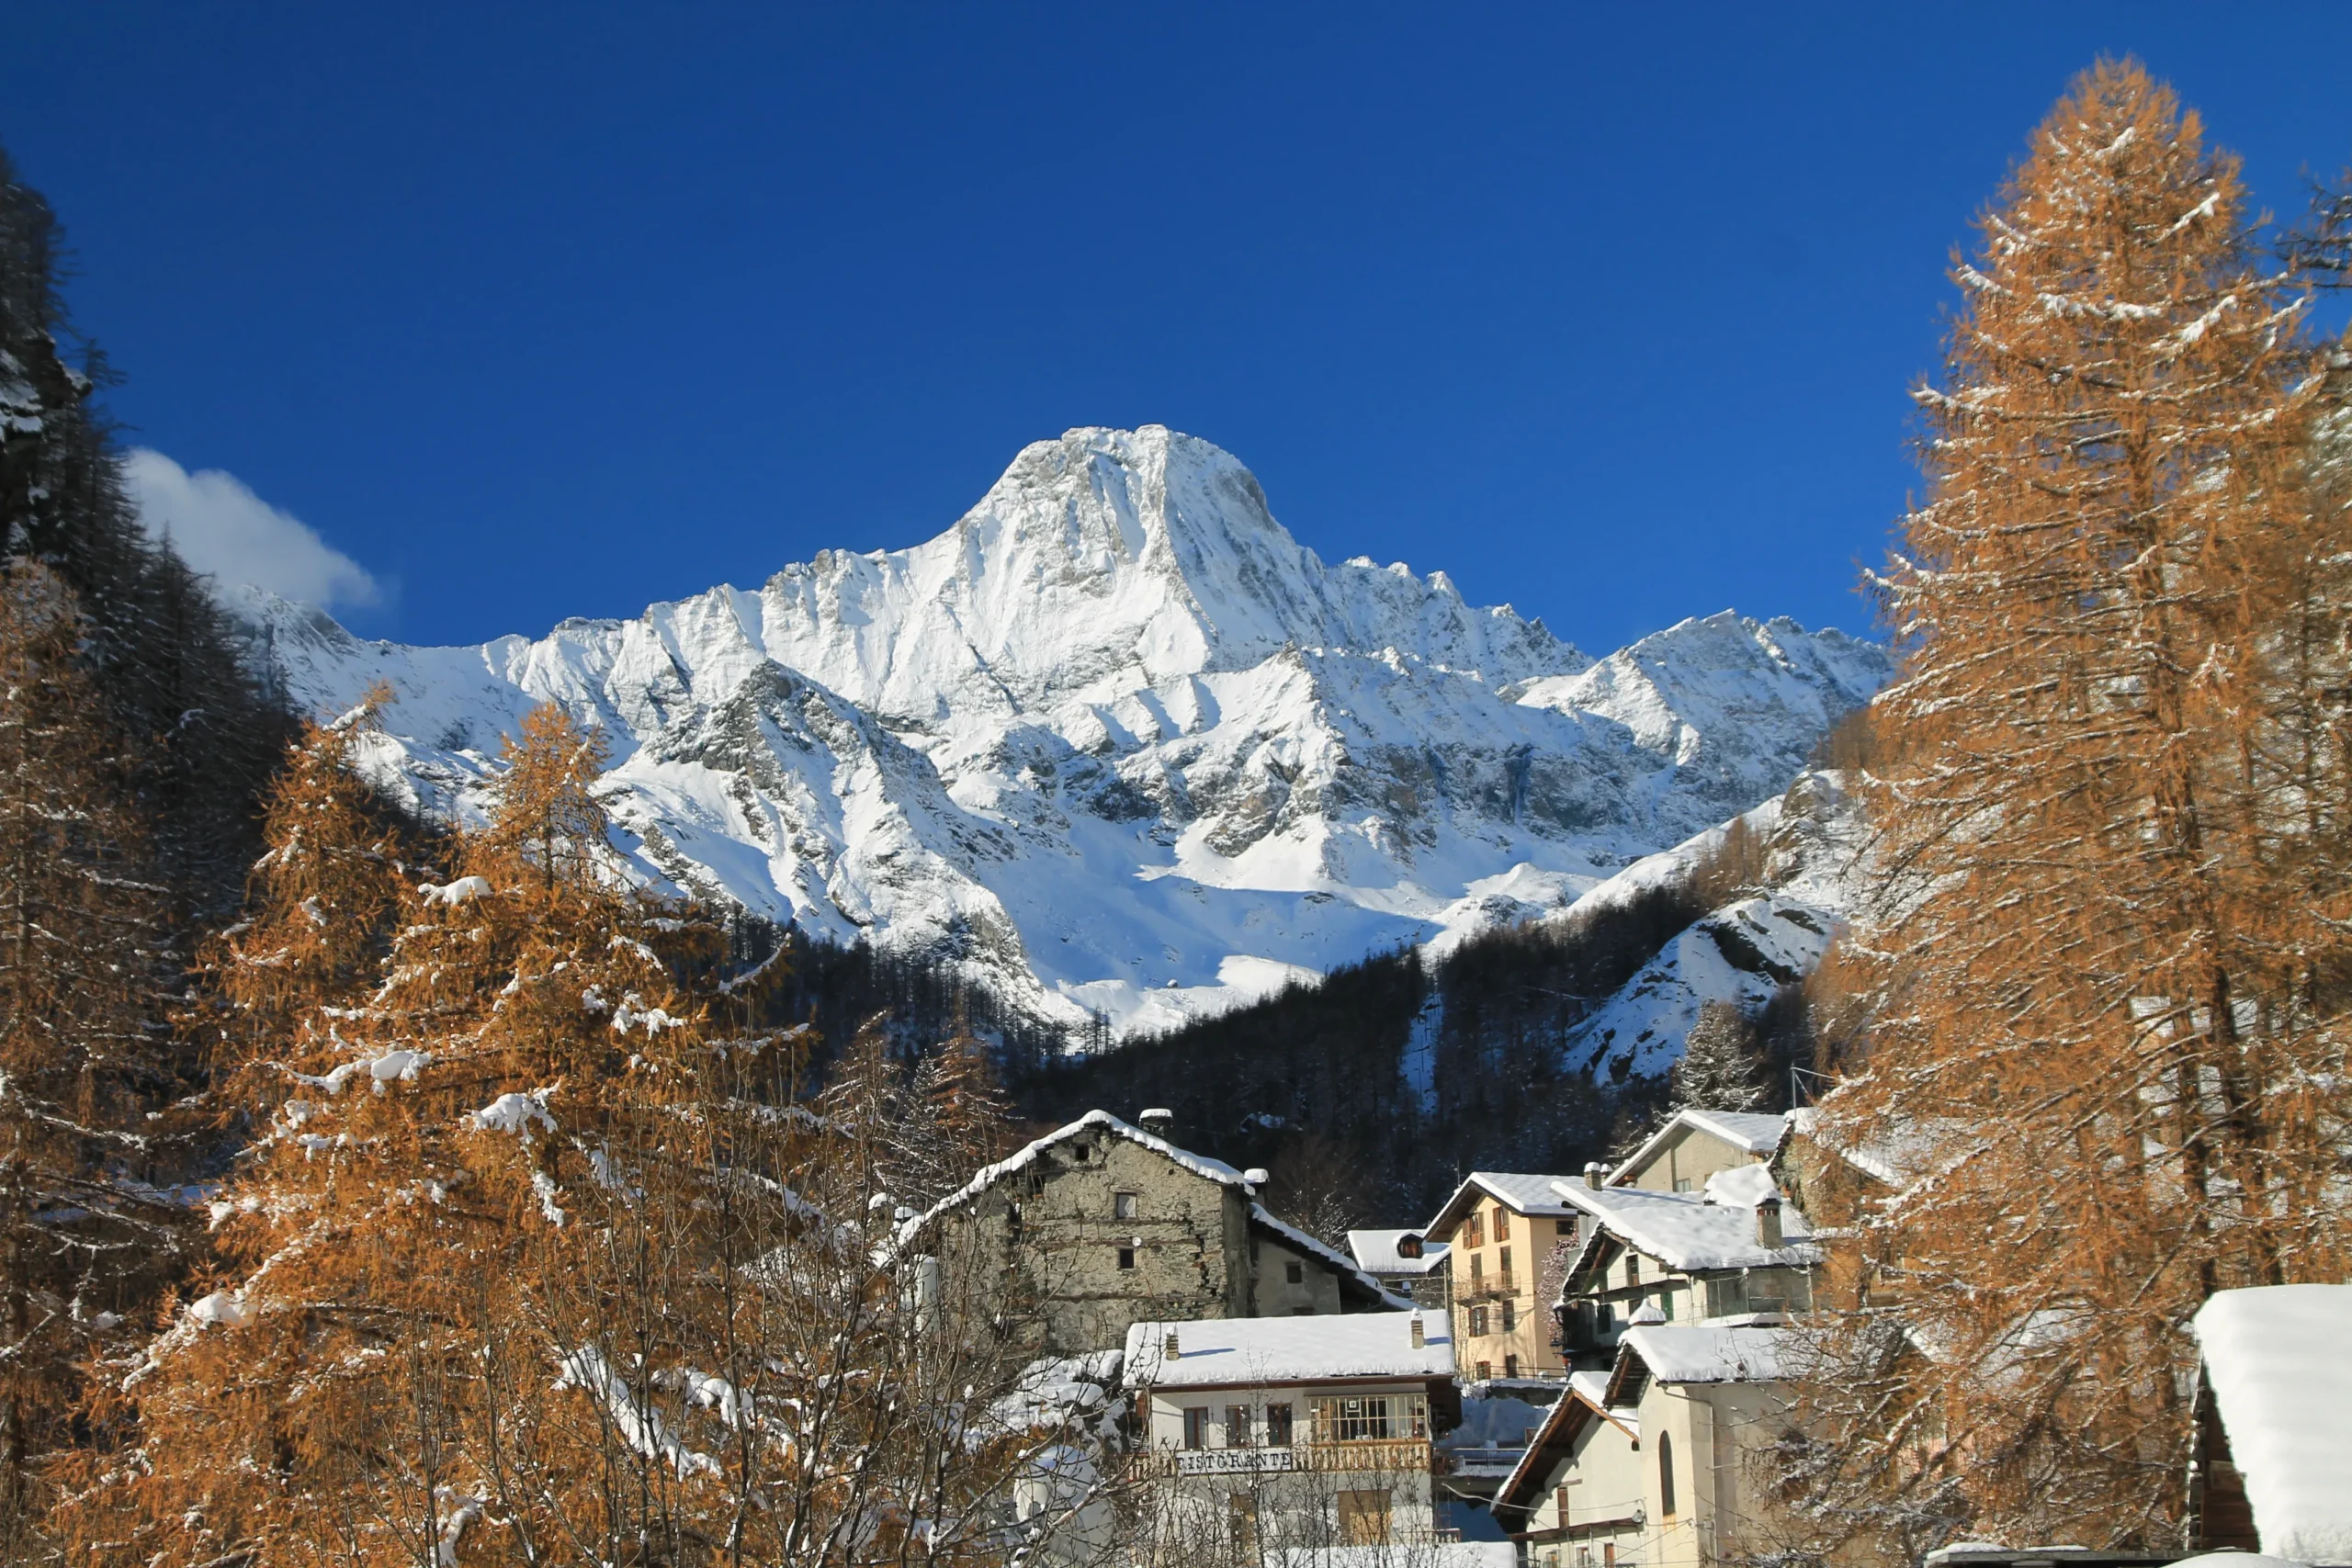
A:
[1685,1230]
[1711,1355]
[1223,1352]
[1376,1250]
[2280,1361]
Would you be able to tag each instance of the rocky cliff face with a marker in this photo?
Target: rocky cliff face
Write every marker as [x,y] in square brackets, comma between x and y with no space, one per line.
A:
[1116,742]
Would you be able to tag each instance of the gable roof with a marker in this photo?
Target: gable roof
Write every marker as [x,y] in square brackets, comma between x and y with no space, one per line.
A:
[1236,1353]
[1747,1131]
[1377,1251]
[1525,1192]
[1585,1400]
[1217,1170]
[1691,1230]
[1699,1354]
[2279,1358]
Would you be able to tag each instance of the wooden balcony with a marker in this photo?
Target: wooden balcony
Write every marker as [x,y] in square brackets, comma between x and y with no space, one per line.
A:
[1386,1456]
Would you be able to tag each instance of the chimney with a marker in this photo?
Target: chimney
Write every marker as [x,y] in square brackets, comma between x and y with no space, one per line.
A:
[1159,1122]
[1768,1224]
[1420,1334]
[1595,1173]
[1169,1350]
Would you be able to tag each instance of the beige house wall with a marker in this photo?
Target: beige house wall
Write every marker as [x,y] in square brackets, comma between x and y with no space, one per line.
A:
[1684,1161]
[1477,1271]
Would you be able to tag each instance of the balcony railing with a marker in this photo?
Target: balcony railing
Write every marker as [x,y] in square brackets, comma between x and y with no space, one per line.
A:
[1482,1286]
[1394,1454]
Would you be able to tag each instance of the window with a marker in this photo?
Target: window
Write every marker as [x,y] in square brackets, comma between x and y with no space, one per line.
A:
[1510,1316]
[1632,1269]
[1236,1426]
[1474,1233]
[1560,1502]
[1278,1425]
[1363,1518]
[1608,1554]
[1502,1226]
[1664,1476]
[1409,1245]
[1196,1426]
[1360,1418]
[1477,1266]
[1502,1263]
[1301,1312]
[1126,1258]
[1486,1370]
[1478,1322]
[1081,1153]
[1123,1205]
[1666,1304]
[1510,1366]
[1682,1184]
[1295,1273]
[1242,1515]
[1568,1230]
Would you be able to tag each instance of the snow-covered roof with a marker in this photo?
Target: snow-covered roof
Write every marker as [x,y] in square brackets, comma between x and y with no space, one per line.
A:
[1746,1131]
[1227,1352]
[1690,1231]
[1700,1354]
[1587,1393]
[1377,1251]
[1528,1193]
[2279,1358]
[1216,1170]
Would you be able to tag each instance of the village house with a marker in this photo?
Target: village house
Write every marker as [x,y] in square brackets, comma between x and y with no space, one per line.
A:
[1265,1437]
[1408,1263]
[1646,1464]
[1694,1145]
[1101,1224]
[1731,1252]
[1502,1229]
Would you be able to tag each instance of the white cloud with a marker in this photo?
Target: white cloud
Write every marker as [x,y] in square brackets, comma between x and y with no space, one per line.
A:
[222,528]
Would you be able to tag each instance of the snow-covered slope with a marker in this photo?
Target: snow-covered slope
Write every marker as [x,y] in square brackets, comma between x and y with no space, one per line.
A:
[1116,741]
[1814,843]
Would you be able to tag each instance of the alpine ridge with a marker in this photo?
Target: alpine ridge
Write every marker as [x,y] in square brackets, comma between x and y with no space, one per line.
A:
[1116,744]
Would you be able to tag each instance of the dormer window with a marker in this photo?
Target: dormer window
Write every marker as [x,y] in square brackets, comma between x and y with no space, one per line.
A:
[1409,1245]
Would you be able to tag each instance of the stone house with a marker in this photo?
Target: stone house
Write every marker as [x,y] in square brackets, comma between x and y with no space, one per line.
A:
[1271,1437]
[1408,1263]
[1730,1252]
[1101,1224]
[1645,1465]
[1502,1229]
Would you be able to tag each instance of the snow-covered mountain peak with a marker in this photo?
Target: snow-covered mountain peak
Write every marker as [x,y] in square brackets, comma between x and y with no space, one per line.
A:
[1115,742]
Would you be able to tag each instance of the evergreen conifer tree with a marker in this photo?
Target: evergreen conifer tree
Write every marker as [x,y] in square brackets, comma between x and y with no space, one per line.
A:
[1720,1068]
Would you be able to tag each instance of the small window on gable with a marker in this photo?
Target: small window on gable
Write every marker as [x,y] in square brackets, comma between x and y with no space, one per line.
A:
[1126,1258]
[1081,1153]
[1123,1205]
[1474,1230]
[1632,1269]
[1295,1273]
[1503,1223]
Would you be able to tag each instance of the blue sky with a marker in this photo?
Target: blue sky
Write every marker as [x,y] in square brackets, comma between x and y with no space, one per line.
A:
[537,311]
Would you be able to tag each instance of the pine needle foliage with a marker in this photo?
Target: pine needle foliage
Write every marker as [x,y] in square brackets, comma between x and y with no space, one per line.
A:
[2109,959]
[82,965]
